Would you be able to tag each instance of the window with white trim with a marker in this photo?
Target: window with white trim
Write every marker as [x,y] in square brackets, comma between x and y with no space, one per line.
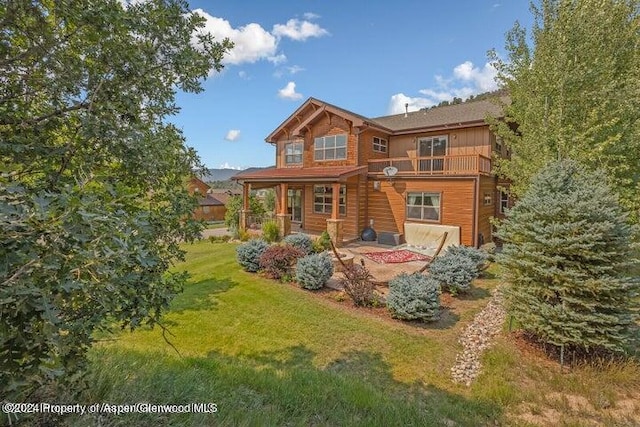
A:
[332,147]
[293,152]
[423,206]
[499,144]
[504,201]
[323,199]
[380,145]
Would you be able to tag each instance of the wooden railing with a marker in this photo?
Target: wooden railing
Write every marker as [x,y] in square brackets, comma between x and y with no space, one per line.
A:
[473,164]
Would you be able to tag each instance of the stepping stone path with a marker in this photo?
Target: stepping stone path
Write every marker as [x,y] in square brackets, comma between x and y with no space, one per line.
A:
[476,338]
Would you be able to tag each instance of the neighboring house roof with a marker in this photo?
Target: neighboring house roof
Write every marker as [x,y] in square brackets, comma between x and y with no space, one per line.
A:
[324,174]
[209,200]
[223,194]
[448,116]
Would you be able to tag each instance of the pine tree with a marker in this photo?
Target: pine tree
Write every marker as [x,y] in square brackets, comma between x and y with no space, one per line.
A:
[575,93]
[569,259]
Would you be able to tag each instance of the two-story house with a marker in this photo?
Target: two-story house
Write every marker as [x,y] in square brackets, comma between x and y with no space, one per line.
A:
[337,170]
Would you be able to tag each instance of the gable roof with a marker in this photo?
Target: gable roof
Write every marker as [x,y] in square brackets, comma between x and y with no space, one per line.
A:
[209,200]
[468,113]
[458,115]
[294,124]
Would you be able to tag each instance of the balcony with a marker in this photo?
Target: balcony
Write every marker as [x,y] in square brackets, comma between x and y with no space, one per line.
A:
[473,164]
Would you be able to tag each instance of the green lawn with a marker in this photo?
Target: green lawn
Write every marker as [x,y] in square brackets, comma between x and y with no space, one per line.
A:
[272,354]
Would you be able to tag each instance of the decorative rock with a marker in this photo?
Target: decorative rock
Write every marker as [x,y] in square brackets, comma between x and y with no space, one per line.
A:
[476,338]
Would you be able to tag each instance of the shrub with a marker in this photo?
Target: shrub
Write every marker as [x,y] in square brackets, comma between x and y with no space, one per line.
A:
[270,231]
[248,254]
[313,271]
[278,261]
[478,256]
[357,283]
[300,241]
[322,243]
[569,257]
[454,271]
[414,296]
[220,239]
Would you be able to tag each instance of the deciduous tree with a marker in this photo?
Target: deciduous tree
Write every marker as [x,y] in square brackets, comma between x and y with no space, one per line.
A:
[575,92]
[93,202]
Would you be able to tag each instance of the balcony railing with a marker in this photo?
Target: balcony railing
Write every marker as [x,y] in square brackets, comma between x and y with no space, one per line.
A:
[473,164]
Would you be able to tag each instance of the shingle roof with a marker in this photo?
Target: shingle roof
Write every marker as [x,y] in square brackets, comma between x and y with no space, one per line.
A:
[447,116]
[325,174]
[210,201]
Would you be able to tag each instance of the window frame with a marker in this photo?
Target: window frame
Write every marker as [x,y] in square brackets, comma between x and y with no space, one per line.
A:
[293,144]
[327,199]
[504,202]
[324,149]
[380,143]
[422,206]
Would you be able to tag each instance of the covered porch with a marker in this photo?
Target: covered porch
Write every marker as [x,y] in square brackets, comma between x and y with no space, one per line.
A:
[311,200]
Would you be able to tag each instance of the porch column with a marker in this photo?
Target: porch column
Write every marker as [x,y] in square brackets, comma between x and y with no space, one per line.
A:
[282,217]
[334,225]
[245,212]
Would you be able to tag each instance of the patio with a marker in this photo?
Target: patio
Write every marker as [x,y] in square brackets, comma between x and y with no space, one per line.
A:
[382,272]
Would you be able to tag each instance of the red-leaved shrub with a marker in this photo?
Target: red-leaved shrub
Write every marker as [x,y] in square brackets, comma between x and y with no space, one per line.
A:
[278,260]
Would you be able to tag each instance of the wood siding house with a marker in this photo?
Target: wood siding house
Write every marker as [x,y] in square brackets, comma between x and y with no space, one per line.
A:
[332,168]
[209,208]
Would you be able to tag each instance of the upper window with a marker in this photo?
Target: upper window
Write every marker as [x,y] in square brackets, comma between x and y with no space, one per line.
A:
[433,146]
[332,147]
[379,145]
[293,153]
[499,144]
[323,199]
[423,206]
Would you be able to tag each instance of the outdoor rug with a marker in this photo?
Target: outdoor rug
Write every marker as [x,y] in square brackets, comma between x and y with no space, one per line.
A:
[392,257]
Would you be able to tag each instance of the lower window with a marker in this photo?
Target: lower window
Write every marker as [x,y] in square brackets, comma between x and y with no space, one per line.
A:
[323,199]
[423,206]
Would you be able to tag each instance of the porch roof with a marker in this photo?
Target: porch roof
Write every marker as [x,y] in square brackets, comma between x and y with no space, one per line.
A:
[316,174]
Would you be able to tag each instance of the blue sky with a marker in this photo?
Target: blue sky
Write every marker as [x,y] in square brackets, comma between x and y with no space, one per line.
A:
[370,57]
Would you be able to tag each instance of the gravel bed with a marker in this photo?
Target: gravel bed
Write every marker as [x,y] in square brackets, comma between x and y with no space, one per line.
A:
[477,337]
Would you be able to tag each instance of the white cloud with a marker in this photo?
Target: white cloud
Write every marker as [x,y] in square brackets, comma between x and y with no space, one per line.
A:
[466,80]
[232,135]
[289,92]
[253,43]
[294,69]
[398,101]
[226,165]
[311,16]
[299,30]
[482,78]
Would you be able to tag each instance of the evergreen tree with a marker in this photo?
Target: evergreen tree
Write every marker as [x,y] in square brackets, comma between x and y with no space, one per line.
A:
[570,262]
[575,93]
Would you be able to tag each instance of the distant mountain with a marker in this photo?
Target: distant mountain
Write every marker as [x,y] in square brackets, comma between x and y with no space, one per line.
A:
[214,174]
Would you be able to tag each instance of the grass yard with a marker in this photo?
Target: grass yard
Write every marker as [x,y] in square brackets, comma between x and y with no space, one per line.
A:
[273,354]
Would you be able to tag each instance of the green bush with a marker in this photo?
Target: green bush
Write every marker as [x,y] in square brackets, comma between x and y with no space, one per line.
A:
[313,271]
[478,256]
[220,239]
[278,261]
[248,254]
[300,241]
[270,231]
[414,296]
[322,243]
[454,271]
